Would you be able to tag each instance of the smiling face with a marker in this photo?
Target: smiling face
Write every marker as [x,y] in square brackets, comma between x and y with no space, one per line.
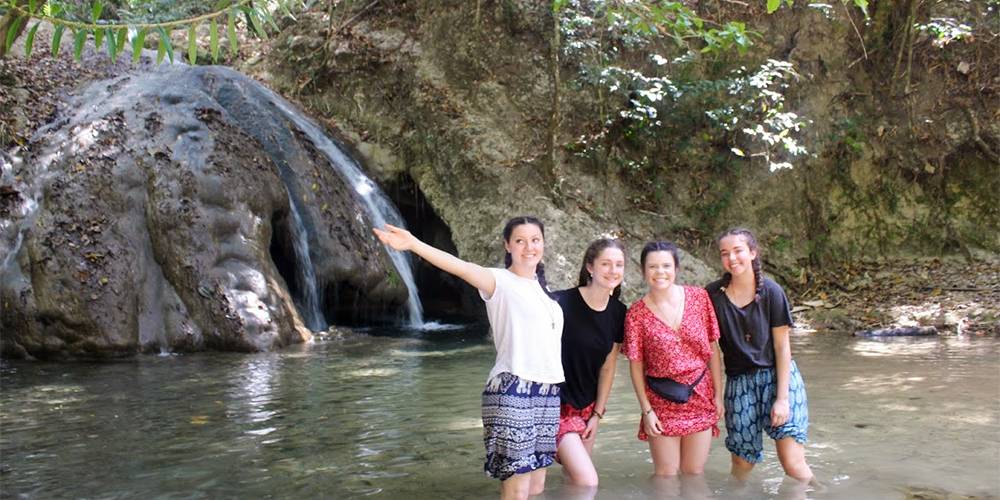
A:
[526,245]
[659,270]
[736,254]
[608,268]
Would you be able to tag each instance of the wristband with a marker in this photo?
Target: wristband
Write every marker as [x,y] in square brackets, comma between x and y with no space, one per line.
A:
[600,416]
[647,412]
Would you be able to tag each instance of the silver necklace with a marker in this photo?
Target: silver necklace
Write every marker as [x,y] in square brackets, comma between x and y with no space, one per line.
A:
[545,301]
[680,311]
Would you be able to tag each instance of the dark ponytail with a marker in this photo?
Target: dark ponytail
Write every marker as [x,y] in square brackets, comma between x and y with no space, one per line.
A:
[758,275]
[595,249]
[508,229]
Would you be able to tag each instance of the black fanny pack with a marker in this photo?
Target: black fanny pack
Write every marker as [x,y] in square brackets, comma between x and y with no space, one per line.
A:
[672,390]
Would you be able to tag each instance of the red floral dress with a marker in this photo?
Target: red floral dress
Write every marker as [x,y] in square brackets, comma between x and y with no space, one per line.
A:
[681,356]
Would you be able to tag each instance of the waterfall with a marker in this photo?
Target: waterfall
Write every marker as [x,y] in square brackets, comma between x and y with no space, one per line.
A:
[378,206]
[248,96]
[308,290]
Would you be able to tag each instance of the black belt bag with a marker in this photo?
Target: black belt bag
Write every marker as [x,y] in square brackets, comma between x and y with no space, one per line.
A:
[672,390]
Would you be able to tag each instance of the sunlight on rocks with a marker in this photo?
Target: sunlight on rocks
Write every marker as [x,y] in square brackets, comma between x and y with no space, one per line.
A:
[916,315]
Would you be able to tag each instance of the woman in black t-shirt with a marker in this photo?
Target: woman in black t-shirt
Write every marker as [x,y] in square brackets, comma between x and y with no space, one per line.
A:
[592,335]
[764,389]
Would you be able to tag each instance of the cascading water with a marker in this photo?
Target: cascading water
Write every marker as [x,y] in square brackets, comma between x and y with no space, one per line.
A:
[380,209]
[309,291]
[247,95]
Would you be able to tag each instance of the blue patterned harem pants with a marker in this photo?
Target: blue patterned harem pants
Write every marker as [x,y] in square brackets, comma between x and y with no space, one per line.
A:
[749,398]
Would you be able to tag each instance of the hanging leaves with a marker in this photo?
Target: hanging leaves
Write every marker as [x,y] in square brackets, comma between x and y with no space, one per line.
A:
[122,33]
[270,20]
[96,14]
[115,37]
[192,44]
[30,40]
[213,39]
[283,5]
[113,44]
[56,39]
[10,34]
[161,50]
[168,47]
[80,39]
[232,33]
[254,19]
[98,38]
[863,5]
[137,43]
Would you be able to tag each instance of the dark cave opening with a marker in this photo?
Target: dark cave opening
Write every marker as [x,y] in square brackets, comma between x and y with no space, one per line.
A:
[283,255]
[444,296]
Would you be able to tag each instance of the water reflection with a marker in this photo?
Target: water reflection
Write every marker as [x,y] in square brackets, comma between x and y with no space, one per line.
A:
[398,415]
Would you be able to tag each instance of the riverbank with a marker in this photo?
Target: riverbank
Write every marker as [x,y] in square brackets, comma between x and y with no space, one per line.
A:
[954,296]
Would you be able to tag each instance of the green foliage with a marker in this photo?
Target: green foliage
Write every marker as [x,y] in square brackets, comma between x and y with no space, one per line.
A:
[139,18]
[643,103]
[757,110]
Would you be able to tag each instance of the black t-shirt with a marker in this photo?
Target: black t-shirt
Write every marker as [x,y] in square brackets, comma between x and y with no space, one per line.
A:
[757,318]
[587,338]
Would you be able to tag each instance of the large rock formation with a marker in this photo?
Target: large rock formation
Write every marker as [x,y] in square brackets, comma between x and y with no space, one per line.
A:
[155,214]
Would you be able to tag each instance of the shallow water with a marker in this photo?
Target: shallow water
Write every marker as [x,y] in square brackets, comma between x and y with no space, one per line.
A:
[396,415]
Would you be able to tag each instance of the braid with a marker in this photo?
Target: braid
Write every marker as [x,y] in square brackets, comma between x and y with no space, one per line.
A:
[540,276]
[758,278]
[726,279]
[507,260]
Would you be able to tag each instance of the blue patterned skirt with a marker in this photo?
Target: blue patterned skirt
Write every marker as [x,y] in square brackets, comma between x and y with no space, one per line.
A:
[520,423]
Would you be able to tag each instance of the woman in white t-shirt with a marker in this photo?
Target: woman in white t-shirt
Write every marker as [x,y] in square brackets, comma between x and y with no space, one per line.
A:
[521,399]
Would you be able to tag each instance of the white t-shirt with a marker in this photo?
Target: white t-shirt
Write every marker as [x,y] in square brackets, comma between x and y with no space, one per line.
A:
[527,329]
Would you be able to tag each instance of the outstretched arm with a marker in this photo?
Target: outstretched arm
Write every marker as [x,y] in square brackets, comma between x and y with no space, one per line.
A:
[400,239]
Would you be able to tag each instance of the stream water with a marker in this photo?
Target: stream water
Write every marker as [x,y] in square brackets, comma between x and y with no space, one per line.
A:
[395,414]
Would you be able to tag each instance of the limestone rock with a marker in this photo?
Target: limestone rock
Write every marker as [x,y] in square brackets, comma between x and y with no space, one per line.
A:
[154,214]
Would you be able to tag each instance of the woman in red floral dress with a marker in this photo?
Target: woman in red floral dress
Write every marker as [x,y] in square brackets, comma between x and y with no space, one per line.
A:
[672,332]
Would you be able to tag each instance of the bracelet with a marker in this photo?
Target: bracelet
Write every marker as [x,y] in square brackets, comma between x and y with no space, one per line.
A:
[600,416]
[647,412]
